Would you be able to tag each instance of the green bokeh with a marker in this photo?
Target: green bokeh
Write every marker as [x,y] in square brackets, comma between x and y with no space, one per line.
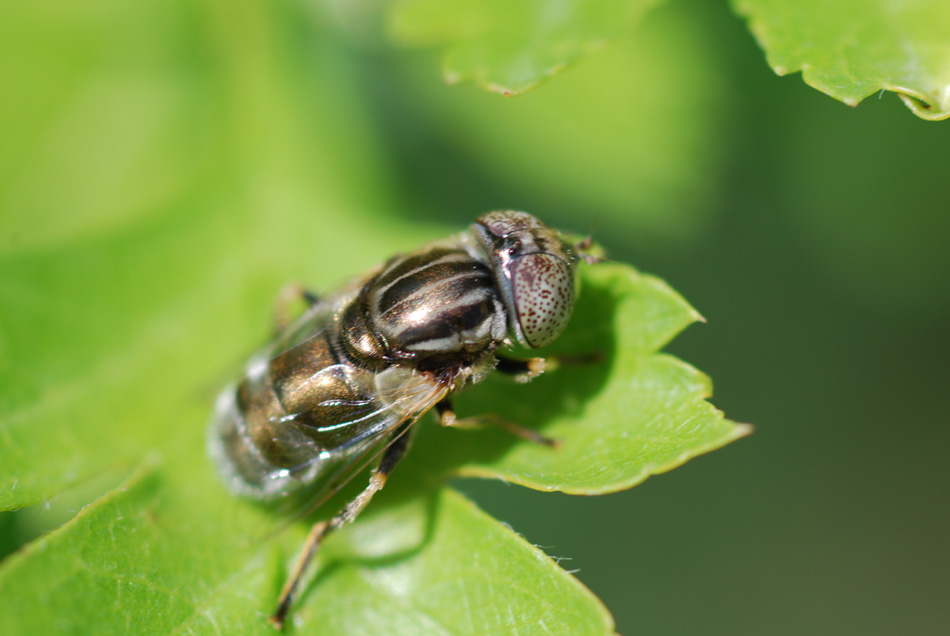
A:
[810,235]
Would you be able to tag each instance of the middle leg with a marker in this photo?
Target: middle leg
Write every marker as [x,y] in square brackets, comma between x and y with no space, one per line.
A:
[447,418]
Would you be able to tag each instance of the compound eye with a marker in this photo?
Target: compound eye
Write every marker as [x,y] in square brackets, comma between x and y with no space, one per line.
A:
[542,288]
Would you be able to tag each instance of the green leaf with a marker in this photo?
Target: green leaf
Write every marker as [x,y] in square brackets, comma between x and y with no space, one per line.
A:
[124,326]
[144,559]
[437,584]
[510,47]
[170,551]
[851,49]
[157,557]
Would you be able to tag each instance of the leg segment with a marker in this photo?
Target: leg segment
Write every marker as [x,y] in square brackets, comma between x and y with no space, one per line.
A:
[320,530]
[447,418]
[527,370]
[524,370]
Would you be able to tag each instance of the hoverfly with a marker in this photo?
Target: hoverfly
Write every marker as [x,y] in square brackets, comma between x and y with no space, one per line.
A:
[345,383]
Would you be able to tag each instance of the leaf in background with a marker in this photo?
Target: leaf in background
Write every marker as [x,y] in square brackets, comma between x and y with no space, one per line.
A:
[851,49]
[510,47]
[633,143]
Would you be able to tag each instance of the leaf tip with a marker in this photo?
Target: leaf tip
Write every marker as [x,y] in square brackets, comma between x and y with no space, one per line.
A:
[742,429]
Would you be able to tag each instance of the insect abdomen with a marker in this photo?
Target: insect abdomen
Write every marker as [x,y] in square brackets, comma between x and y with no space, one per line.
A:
[279,427]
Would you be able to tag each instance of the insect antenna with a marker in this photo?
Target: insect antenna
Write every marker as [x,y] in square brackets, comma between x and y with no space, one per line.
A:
[586,246]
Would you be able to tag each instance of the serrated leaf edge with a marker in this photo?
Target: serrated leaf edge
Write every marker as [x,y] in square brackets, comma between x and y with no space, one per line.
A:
[737,431]
[925,106]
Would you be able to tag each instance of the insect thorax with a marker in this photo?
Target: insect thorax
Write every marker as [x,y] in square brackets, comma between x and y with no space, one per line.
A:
[437,309]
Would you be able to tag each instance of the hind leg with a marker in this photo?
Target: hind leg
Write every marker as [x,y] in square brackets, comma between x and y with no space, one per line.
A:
[396,451]
[289,295]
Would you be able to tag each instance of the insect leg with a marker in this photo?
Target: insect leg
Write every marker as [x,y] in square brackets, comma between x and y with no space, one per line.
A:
[523,370]
[447,418]
[527,370]
[320,530]
[288,295]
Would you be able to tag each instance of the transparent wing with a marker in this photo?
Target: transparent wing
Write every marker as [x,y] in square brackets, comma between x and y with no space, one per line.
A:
[335,473]
[304,415]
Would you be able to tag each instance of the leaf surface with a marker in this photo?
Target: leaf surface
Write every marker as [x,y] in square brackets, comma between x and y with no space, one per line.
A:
[152,557]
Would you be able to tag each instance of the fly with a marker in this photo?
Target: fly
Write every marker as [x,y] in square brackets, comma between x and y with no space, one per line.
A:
[346,382]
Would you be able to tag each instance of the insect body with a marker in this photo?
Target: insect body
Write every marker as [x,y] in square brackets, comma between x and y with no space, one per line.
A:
[348,379]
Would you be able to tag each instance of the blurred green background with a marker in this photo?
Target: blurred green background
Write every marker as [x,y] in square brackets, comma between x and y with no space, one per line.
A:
[812,236]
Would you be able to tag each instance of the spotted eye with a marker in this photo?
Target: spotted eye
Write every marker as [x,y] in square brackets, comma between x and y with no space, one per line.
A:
[533,269]
[542,287]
